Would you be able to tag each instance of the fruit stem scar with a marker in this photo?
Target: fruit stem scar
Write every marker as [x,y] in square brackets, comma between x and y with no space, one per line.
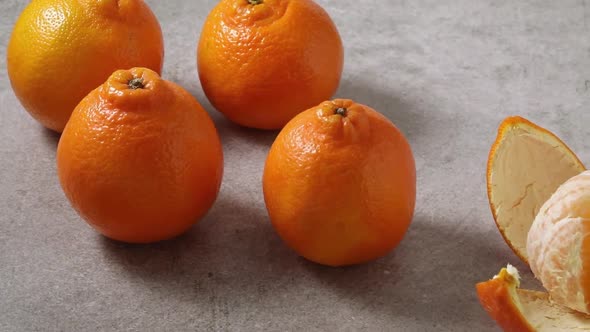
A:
[255,2]
[341,111]
[136,83]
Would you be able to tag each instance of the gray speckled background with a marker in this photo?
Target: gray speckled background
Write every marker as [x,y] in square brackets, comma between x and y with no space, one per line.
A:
[446,72]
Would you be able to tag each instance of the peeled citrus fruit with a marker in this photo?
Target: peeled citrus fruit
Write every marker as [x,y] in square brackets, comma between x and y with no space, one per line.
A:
[340,184]
[517,310]
[261,62]
[526,165]
[140,159]
[559,244]
[60,50]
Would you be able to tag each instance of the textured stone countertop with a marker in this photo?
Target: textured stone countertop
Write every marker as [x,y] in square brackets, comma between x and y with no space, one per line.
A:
[445,72]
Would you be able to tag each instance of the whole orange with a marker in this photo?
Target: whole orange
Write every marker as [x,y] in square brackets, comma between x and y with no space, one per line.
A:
[340,184]
[140,159]
[60,50]
[261,62]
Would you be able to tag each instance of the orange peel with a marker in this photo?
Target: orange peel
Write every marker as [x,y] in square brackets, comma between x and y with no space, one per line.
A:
[526,164]
[518,310]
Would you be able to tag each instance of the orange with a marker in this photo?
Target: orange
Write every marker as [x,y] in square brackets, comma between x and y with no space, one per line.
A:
[520,310]
[60,50]
[261,62]
[539,193]
[140,159]
[558,244]
[340,184]
[526,165]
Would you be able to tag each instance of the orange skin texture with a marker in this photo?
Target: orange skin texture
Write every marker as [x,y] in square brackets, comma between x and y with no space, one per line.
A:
[260,65]
[140,165]
[60,50]
[494,295]
[340,190]
[507,124]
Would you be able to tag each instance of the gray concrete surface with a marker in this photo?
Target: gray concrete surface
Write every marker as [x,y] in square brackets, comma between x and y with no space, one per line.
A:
[446,72]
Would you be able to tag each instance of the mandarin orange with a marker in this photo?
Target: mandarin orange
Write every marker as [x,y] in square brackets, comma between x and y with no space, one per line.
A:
[340,184]
[140,159]
[261,62]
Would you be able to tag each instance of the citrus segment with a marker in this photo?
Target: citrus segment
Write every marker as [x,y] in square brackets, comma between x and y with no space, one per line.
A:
[559,244]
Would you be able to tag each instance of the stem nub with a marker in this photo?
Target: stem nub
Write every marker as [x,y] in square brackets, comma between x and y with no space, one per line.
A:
[136,83]
[341,111]
[255,2]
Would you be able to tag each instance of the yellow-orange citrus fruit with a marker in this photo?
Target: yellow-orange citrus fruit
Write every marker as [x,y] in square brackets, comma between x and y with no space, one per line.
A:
[60,50]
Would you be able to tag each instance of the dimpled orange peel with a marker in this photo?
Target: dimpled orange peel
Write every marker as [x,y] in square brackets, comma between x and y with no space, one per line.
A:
[519,310]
